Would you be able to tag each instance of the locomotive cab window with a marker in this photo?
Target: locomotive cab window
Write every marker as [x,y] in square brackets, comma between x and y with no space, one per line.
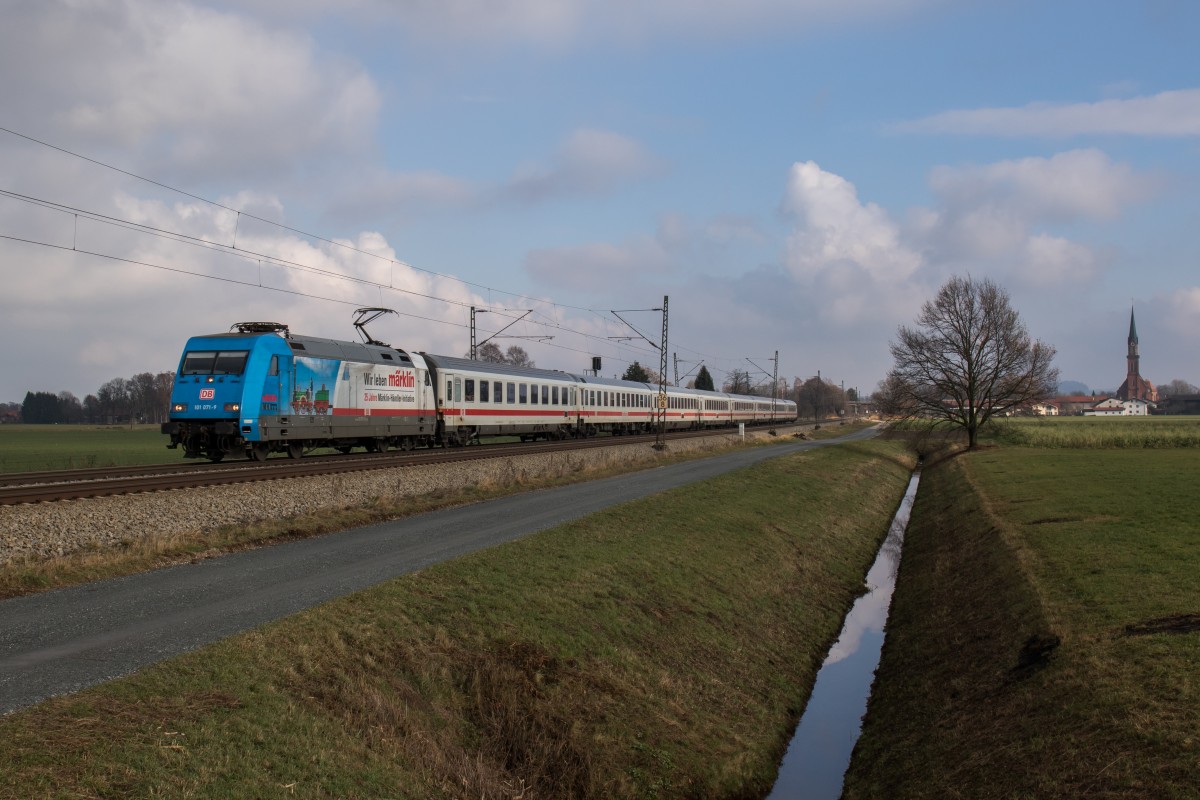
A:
[209,362]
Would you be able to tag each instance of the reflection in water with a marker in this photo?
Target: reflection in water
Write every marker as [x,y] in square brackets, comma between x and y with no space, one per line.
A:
[819,753]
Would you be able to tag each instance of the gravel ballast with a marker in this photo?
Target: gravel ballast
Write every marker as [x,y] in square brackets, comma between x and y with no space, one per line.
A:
[47,530]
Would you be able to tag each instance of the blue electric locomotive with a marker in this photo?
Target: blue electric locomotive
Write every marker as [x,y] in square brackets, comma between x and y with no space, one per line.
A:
[258,389]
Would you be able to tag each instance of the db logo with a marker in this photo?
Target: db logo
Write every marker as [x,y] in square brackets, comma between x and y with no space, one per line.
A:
[208,394]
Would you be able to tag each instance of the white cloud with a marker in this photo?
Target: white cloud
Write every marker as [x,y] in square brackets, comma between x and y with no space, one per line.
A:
[1077,184]
[836,231]
[187,86]
[1173,113]
[590,161]
[994,217]
[1054,261]
[1182,315]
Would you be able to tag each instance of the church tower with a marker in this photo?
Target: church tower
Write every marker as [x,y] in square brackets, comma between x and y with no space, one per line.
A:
[1135,386]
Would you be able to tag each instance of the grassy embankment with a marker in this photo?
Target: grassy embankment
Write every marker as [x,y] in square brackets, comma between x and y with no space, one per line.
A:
[661,649]
[1011,549]
[153,552]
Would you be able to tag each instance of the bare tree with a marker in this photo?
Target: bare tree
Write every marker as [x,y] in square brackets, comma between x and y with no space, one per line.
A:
[968,359]
[1177,387]
[490,352]
[70,408]
[143,397]
[114,397]
[738,382]
[517,356]
[164,382]
[818,396]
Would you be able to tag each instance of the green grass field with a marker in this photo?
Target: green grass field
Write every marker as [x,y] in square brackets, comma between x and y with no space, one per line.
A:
[1097,432]
[32,448]
[661,649]
[1097,545]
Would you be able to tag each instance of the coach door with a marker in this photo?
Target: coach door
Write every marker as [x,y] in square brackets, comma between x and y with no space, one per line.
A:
[272,392]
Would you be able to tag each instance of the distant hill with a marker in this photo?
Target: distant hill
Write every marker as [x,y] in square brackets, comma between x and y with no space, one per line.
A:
[1073,387]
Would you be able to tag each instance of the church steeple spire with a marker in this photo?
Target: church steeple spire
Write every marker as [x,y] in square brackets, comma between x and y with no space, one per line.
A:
[1135,386]
[1132,372]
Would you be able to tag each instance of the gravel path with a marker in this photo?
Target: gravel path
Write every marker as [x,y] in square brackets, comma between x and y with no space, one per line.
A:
[61,641]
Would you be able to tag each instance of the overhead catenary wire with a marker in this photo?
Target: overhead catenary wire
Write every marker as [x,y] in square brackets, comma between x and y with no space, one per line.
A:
[234,249]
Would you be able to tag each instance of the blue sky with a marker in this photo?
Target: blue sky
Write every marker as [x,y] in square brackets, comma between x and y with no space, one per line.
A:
[796,175]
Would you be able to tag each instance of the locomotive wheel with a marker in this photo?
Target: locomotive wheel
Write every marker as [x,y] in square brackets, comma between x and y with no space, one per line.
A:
[259,451]
[295,449]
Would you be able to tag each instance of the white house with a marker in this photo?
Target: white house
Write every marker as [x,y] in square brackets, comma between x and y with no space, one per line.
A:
[1113,407]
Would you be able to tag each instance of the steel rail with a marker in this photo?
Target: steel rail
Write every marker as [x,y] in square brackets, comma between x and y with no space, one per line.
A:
[69,485]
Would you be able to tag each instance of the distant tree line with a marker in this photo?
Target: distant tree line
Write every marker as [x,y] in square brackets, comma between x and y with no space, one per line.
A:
[514,356]
[146,397]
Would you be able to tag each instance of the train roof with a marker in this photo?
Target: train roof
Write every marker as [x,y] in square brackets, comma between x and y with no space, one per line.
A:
[494,368]
[598,381]
[316,347]
[350,351]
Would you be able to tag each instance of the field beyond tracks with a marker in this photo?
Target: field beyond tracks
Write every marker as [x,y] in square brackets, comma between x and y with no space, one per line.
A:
[37,448]
[1044,639]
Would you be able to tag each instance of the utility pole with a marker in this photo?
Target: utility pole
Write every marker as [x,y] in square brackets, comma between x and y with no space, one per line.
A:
[660,441]
[774,391]
[676,357]
[474,311]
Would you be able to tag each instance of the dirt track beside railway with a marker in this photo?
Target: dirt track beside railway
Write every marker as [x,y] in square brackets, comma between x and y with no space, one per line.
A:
[49,530]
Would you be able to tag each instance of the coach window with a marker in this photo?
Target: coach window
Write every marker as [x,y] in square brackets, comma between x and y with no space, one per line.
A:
[533,394]
[545,395]
[449,389]
[458,390]
[554,395]
[483,391]
[523,388]
[470,390]
[512,393]
[498,392]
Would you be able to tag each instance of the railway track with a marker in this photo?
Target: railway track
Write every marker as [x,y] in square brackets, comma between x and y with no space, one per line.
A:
[42,487]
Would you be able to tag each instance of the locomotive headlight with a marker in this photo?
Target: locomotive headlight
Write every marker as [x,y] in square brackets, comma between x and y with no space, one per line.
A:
[232,407]
[179,407]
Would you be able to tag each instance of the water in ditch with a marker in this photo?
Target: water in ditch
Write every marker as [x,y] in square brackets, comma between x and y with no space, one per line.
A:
[817,757]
